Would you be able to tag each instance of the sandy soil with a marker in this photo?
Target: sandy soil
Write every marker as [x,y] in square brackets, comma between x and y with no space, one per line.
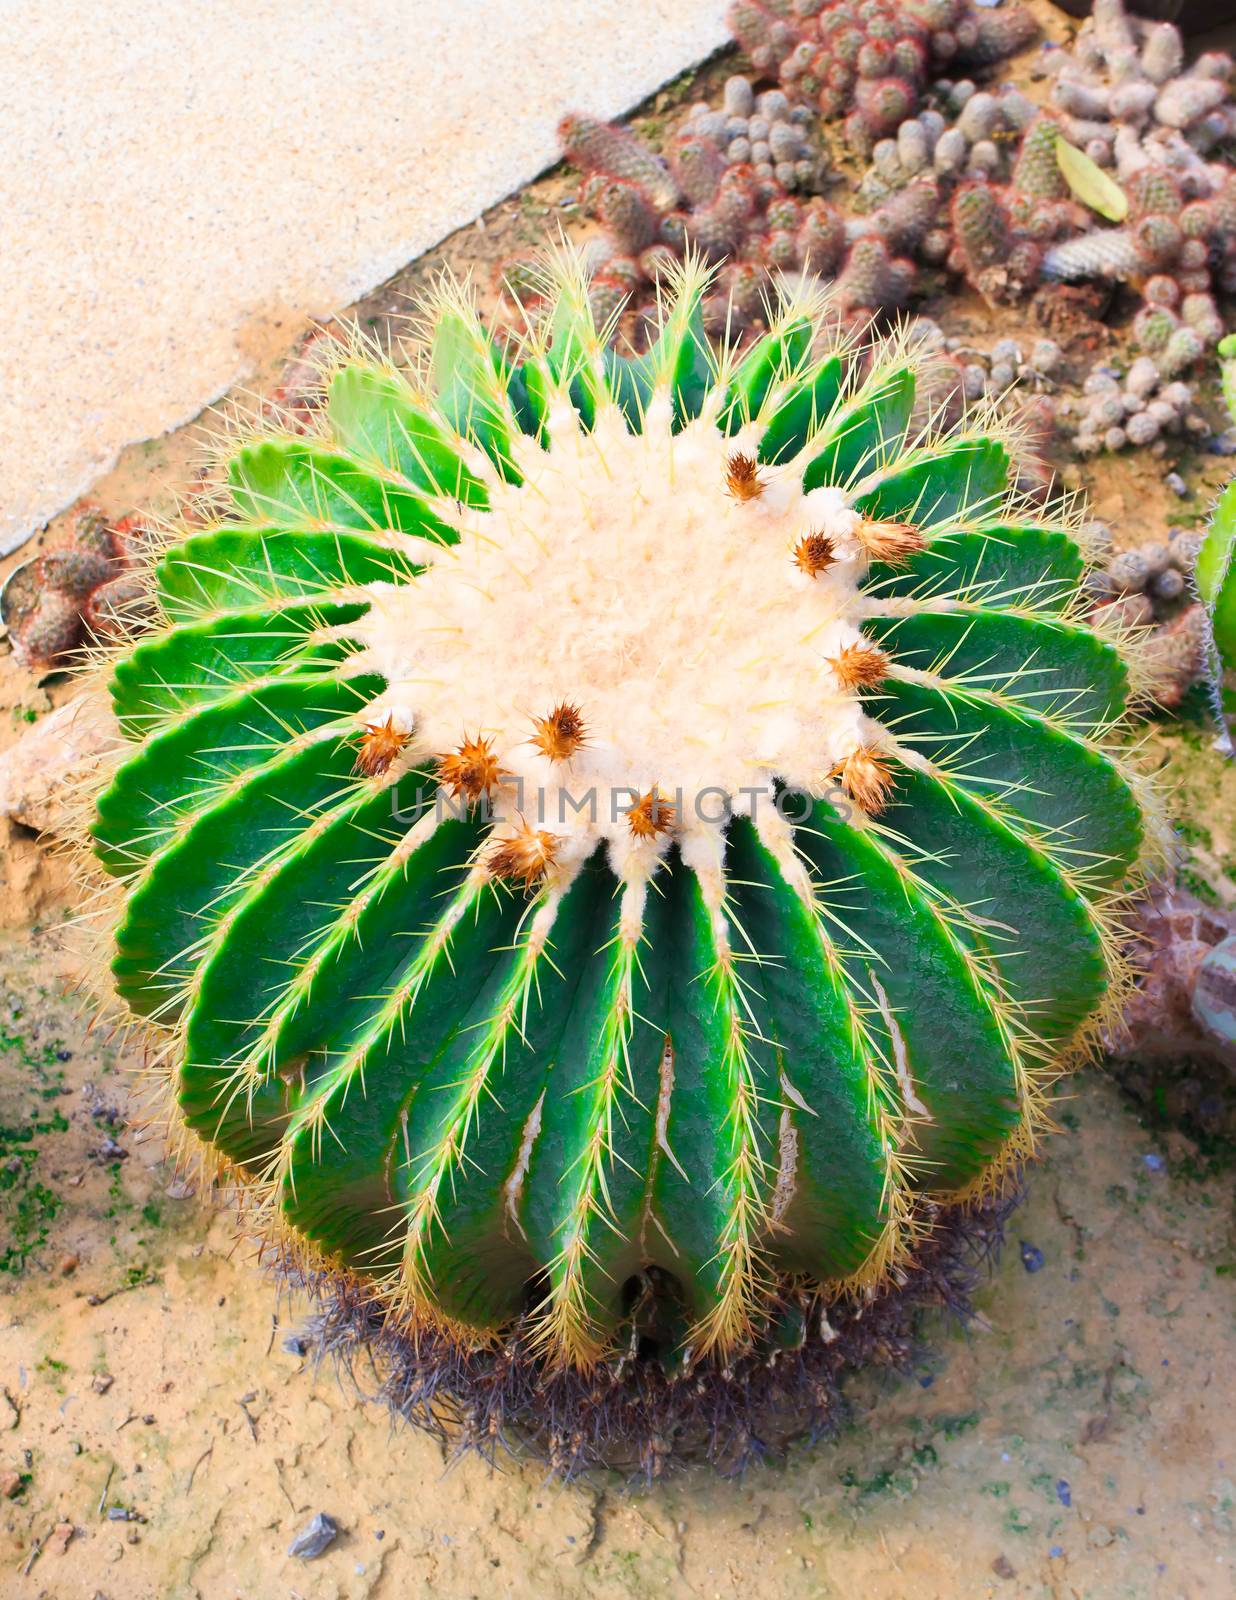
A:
[1076,1443]
[158,1440]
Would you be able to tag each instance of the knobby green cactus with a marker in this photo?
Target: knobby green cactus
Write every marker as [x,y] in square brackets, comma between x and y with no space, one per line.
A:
[1213,575]
[598,821]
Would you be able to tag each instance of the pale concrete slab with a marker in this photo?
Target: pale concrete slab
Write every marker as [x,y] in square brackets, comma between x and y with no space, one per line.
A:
[174,176]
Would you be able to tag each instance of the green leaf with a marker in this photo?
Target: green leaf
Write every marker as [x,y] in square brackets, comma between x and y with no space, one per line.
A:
[1227,372]
[1090,183]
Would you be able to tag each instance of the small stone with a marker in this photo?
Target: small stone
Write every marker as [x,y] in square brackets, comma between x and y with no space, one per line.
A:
[57,1541]
[1031,1257]
[101,1382]
[10,1484]
[1100,1536]
[1177,485]
[1003,1568]
[1063,1493]
[315,1538]
[67,1265]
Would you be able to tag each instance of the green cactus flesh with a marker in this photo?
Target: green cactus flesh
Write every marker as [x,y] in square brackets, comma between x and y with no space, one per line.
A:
[1214,574]
[585,814]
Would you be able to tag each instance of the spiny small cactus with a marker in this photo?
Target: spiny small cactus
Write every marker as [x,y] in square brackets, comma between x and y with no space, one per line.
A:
[612,843]
[869,62]
[90,588]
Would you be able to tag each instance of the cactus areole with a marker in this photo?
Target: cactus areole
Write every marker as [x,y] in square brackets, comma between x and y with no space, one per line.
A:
[598,822]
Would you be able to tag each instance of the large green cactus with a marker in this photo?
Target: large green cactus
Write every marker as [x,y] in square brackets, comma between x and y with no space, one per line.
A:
[587,815]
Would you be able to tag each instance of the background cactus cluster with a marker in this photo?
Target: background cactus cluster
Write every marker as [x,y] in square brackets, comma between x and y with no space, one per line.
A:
[1125,96]
[960,176]
[665,1078]
[89,589]
[869,61]
[653,210]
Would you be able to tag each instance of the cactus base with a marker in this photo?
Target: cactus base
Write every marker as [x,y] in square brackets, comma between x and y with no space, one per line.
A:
[632,1416]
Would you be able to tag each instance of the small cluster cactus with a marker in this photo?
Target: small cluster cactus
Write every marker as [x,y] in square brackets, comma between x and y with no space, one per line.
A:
[762,130]
[653,211]
[1001,230]
[1129,99]
[1145,406]
[1124,96]
[1183,1006]
[611,848]
[1150,586]
[968,135]
[868,61]
[89,589]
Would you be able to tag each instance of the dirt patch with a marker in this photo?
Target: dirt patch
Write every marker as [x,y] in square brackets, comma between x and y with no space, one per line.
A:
[1072,1443]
